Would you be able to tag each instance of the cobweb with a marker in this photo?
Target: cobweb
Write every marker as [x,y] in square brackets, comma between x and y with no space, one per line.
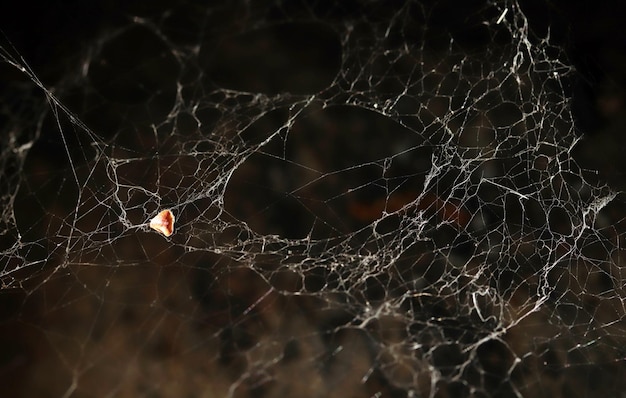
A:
[372,199]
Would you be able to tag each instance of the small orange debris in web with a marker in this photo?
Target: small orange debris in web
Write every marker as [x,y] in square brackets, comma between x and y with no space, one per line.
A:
[163,222]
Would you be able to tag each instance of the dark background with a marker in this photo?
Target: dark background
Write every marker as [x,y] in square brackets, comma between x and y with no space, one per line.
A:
[52,37]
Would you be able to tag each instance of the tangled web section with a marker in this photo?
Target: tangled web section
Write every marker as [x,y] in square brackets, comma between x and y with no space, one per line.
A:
[365,200]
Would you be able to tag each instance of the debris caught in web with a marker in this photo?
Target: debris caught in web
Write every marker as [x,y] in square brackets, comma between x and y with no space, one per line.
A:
[163,222]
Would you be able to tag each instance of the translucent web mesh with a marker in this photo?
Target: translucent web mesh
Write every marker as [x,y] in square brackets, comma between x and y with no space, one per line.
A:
[370,200]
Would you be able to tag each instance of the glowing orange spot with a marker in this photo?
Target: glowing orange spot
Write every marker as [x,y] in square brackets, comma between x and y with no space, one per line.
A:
[450,211]
[163,222]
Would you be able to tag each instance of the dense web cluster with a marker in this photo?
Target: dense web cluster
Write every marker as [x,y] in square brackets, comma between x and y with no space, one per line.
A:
[370,200]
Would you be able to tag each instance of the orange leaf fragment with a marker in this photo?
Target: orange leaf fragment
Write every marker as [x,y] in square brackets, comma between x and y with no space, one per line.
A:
[163,222]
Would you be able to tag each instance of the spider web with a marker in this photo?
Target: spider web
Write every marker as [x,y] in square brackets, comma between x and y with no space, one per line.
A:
[371,199]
